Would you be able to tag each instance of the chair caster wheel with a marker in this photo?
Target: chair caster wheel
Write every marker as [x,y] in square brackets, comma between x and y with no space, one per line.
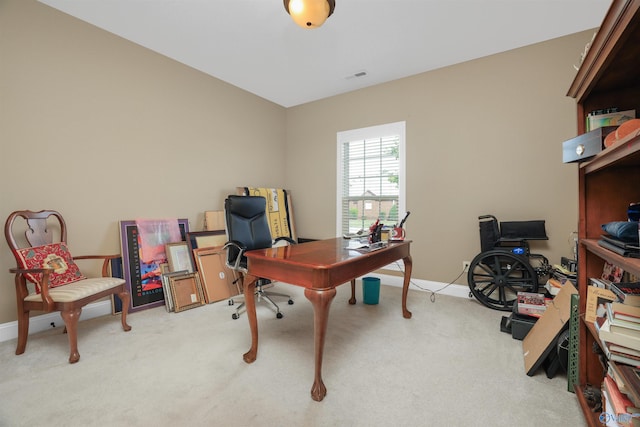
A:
[470,295]
[290,302]
[234,316]
[279,315]
[230,302]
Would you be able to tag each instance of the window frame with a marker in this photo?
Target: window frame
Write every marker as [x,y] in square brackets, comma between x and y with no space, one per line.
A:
[372,132]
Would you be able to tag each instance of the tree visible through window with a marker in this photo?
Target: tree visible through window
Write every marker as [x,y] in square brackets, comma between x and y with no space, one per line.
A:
[370,177]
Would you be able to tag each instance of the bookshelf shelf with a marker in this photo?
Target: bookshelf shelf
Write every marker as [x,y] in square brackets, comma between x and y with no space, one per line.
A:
[608,77]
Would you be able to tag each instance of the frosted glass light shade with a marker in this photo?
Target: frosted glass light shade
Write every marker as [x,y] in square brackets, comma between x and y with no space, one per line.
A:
[309,13]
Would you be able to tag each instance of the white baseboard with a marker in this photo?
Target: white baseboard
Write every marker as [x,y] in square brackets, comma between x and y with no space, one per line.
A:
[9,330]
[453,290]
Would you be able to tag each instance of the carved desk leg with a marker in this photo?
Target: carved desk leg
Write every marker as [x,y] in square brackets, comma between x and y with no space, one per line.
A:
[249,286]
[408,265]
[353,292]
[321,301]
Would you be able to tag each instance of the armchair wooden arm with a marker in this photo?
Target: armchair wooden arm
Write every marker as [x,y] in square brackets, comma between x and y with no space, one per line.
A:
[21,285]
[105,264]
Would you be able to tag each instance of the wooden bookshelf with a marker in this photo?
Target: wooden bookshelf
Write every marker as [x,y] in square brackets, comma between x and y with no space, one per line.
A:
[608,77]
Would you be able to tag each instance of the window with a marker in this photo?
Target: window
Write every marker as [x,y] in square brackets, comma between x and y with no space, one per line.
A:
[371,177]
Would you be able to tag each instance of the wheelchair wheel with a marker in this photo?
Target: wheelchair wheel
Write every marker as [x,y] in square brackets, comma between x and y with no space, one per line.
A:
[495,277]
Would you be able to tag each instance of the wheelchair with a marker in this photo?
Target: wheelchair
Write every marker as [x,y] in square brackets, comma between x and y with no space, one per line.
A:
[506,266]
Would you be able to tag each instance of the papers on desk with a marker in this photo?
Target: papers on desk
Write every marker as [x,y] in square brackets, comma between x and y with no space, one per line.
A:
[364,246]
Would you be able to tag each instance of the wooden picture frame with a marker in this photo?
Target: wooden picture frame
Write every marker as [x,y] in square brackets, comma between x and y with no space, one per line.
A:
[143,280]
[205,239]
[216,278]
[168,298]
[178,257]
[186,291]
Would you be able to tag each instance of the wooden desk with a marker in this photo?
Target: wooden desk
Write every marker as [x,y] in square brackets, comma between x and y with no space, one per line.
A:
[319,267]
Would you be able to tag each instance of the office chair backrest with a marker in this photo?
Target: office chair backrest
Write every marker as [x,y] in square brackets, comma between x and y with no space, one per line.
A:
[247,223]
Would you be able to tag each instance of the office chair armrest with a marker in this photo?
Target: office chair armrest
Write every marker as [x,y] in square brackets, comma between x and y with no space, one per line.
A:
[287,239]
[241,250]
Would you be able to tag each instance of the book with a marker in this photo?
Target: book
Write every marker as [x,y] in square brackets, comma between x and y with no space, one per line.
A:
[627,292]
[605,334]
[532,304]
[616,348]
[613,370]
[631,378]
[609,419]
[612,273]
[625,311]
[624,329]
[621,358]
[618,322]
[597,119]
[625,252]
[619,402]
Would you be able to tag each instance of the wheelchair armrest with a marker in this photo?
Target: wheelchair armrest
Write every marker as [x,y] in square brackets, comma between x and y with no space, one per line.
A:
[481,217]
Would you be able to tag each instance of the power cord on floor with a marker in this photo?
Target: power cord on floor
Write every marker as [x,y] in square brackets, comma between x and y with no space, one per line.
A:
[432,297]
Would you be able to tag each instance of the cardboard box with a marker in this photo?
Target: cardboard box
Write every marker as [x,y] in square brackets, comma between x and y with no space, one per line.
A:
[541,339]
[214,221]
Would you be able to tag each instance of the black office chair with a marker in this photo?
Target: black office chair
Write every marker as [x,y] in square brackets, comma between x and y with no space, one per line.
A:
[248,229]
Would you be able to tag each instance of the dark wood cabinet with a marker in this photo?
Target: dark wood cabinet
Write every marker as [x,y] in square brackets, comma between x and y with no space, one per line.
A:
[608,77]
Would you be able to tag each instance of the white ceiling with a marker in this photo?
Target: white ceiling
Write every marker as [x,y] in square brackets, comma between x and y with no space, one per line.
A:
[254,44]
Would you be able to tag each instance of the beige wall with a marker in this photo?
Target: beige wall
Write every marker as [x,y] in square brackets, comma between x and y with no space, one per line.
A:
[483,137]
[104,130]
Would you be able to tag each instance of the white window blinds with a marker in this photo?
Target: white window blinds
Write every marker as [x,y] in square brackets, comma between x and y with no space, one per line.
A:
[370,177]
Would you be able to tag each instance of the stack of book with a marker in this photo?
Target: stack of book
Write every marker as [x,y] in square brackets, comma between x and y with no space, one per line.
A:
[619,331]
[631,250]
[619,390]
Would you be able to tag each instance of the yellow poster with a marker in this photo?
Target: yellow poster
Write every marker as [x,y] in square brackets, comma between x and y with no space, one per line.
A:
[277,211]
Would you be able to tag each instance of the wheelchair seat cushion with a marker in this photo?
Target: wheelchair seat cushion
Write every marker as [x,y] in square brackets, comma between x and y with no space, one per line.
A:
[626,231]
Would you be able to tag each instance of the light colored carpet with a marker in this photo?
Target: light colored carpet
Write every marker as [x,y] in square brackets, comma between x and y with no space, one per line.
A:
[447,366]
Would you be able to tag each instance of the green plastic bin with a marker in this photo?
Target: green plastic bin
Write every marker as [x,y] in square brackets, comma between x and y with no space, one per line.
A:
[370,290]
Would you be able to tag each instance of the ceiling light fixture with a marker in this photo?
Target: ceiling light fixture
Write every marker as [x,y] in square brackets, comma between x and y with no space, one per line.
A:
[309,13]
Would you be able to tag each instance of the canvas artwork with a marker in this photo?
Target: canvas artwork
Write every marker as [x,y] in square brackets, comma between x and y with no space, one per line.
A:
[144,279]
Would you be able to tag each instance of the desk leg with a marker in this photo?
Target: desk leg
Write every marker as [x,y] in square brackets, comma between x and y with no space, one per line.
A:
[408,265]
[249,286]
[353,292]
[321,301]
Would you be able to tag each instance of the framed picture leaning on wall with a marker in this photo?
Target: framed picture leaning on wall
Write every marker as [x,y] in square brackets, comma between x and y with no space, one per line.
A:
[144,279]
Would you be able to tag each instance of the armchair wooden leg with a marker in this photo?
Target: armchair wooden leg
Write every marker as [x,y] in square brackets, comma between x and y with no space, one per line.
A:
[71,318]
[125,298]
[23,331]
